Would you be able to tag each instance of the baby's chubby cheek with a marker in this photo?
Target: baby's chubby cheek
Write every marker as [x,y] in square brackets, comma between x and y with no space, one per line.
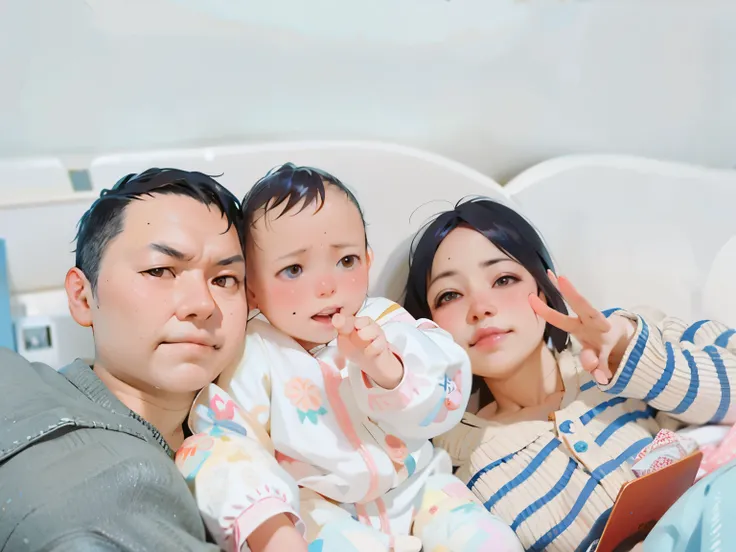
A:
[286,296]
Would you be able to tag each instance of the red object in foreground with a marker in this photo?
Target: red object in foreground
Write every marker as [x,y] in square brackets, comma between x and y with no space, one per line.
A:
[643,501]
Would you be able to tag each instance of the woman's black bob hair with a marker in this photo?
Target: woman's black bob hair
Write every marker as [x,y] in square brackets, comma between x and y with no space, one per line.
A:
[507,230]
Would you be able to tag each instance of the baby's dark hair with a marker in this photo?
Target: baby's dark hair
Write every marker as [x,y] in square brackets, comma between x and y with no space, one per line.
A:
[292,185]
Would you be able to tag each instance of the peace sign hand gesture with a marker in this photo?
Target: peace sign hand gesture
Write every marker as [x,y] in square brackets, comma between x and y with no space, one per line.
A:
[604,340]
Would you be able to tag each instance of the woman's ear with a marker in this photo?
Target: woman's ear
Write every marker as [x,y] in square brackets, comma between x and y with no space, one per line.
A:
[251,298]
[542,296]
[79,296]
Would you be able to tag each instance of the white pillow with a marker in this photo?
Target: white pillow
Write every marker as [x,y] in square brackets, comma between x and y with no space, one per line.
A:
[719,291]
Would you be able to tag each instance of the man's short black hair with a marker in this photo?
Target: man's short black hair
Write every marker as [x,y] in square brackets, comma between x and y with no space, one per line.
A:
[103,221]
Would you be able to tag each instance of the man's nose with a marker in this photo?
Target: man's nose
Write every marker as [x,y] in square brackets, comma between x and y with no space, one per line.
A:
[195,299]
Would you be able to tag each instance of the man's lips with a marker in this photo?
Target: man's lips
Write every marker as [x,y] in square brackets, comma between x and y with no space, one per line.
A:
[200,341]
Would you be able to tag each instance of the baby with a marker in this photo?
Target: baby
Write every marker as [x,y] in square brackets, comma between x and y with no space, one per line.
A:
[350,390]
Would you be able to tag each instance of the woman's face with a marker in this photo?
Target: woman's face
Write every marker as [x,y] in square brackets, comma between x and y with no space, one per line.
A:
[481,296]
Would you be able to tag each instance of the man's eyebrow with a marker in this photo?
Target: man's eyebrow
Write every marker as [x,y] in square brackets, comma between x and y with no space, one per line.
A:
[179,256]
[169,251]
[231,260]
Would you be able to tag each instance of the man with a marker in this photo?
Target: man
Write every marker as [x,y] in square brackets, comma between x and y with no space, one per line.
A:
[86,453]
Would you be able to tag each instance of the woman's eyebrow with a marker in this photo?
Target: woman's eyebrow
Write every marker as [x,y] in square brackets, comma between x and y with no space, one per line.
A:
[491,262]
[482,264]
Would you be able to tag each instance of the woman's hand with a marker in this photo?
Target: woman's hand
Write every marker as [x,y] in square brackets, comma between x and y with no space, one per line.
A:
[604,340]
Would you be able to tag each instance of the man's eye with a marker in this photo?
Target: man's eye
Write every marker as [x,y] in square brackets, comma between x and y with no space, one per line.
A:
[158,272]
[226,281]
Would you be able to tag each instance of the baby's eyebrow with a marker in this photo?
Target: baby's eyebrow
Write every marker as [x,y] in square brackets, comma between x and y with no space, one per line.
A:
[292,254]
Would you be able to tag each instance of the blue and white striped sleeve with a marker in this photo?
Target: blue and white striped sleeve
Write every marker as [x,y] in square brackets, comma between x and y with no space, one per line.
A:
[685,370]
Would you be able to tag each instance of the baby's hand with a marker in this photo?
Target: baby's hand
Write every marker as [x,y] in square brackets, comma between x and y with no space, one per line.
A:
[362,341]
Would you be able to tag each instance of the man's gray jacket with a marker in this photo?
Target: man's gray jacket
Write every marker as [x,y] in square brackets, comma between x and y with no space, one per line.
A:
[80,471]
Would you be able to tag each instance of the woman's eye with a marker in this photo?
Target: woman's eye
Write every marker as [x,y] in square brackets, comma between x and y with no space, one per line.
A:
[293,271]
[446,297]
[349,261]
[504,281]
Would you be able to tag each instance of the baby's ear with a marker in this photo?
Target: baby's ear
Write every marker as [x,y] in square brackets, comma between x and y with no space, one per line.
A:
[369,256]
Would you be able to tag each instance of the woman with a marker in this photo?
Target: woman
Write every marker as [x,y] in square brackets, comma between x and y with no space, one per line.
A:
[559,420]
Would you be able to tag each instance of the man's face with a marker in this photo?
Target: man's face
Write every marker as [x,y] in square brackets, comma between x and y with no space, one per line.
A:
[170,310]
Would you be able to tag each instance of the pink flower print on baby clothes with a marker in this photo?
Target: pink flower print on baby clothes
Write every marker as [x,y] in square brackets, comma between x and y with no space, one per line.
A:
[399,454]
[192,455]
[221,413]
[306,397]
[453,393]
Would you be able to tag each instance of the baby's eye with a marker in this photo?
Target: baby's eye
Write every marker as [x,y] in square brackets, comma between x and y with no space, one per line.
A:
[349,261]
[293,271]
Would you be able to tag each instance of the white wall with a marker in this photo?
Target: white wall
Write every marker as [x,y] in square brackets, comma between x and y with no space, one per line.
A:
[496,84]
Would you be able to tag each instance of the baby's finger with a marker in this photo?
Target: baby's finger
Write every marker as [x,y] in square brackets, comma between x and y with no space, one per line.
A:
[376,347]
[370,332]
[344,324]
[362,322]
[340,361]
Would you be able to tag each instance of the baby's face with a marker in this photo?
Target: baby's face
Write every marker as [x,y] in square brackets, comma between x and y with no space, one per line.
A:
[303,267]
